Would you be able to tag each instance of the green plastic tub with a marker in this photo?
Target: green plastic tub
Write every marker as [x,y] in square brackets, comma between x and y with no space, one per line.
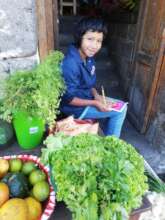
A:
[29,130]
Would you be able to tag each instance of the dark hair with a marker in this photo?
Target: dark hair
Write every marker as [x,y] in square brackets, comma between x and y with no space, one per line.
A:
[88,24]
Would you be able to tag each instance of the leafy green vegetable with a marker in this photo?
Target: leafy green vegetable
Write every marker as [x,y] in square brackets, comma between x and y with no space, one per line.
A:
[155,184]
[36,91]
[99,178]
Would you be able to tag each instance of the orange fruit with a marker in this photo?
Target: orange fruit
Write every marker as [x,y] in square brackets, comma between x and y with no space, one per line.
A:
[14,209]
[34,208]
[4,166]
[4,193]
[36,176]
[41,191]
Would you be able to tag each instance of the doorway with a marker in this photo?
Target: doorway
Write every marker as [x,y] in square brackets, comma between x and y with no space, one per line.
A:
[137,73]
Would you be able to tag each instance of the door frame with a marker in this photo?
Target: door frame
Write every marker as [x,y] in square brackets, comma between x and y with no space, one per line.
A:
[48,38]
[47,26]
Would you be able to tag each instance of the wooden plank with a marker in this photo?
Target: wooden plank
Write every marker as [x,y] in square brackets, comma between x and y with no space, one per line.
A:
[49,24]
[42,32]
[44,9]
[152,26]
[56,24]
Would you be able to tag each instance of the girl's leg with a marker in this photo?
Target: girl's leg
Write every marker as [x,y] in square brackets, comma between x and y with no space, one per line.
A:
[114,120]
[114,123]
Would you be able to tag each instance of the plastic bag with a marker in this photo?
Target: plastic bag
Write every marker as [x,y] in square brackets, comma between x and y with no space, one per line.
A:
[71,126]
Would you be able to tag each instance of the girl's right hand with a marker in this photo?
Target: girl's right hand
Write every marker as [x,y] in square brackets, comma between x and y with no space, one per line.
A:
[101,106]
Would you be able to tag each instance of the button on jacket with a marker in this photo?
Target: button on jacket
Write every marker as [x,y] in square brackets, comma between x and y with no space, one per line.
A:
[80,78]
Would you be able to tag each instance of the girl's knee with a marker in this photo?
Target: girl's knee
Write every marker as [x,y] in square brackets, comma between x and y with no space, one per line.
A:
[125,109]
[123,113]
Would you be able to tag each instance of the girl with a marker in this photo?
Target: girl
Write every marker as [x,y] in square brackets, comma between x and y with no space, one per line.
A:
[81,98]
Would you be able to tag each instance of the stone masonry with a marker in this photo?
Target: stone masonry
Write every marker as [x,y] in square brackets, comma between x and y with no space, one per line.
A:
[18,36]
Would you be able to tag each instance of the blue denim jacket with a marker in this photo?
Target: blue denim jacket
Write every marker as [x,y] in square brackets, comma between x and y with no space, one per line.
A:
[79,78]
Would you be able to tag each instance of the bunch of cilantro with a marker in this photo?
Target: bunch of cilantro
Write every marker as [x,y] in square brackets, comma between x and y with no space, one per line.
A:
[99,178]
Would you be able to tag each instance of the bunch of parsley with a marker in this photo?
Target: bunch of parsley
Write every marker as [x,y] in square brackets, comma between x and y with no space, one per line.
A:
[99,178]
[35,91]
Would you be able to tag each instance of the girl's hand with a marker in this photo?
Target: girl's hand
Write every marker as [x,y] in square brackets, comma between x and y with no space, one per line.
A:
[99,98]
[101,106]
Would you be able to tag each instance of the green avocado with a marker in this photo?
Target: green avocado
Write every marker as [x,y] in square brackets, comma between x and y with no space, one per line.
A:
[18,185]
[6,178]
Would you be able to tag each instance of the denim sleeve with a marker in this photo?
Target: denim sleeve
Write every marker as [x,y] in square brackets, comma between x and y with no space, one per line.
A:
[71,74]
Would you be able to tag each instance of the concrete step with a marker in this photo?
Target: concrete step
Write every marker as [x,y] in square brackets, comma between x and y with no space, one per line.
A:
[65,19]
[108,84]
[106,78]
[67,23]
[104,62]
[102,54]
[113,92]
[65,39]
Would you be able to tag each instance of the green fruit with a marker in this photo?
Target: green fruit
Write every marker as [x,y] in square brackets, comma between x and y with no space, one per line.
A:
[18,185]
[41,191]
[28,167]
[15,165]
[37,176]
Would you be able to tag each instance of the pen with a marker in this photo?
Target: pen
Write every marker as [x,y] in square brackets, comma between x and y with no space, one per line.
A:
[103,95]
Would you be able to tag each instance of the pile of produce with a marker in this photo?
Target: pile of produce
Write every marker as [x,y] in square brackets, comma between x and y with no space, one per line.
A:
[23,189]
[99,178]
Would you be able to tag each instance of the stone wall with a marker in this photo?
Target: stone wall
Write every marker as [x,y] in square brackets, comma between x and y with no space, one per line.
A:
[18,36]
[121,40]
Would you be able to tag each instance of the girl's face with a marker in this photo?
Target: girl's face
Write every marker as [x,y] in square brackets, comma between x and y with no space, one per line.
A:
[90,44]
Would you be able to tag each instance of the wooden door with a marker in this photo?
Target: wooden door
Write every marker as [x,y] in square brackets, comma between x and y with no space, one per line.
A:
[159,86]
[146,62]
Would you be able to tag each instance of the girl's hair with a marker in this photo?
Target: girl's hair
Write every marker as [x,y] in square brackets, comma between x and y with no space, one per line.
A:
[88,24]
